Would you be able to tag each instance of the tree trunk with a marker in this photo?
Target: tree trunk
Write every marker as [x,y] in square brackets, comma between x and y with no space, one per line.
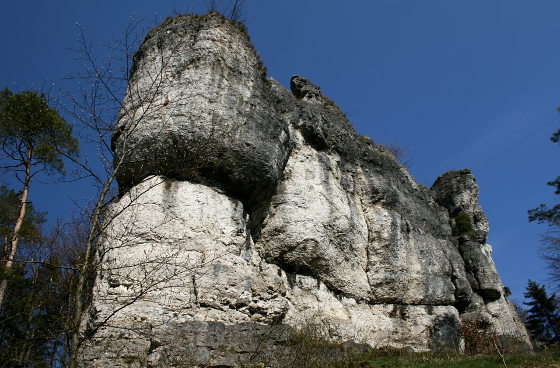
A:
[17,227]
[84,273]
[87,266]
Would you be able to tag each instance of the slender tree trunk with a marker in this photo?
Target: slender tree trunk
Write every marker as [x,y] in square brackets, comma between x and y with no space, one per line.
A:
[54,352]
[85,272]
[19,222]
[6,241]
[29,330]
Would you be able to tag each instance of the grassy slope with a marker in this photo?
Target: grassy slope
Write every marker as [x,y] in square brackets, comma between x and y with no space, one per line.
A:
[548,359]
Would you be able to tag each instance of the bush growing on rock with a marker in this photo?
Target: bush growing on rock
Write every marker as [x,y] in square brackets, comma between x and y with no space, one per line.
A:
[463,224]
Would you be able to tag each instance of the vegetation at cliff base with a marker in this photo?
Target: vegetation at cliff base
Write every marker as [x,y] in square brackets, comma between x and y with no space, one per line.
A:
[382,358]
[546,359]
[543,315]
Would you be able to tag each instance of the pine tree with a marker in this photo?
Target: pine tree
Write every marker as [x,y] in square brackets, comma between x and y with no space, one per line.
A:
[34,138]
[550,215]
[543,316]
[30,230]
[34,314]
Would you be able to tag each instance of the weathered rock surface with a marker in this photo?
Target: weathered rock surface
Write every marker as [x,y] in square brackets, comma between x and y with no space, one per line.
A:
[457,192]
[179,258]
[249,211]
[198,108]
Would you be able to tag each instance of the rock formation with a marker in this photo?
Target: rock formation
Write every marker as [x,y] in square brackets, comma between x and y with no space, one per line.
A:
[248,211]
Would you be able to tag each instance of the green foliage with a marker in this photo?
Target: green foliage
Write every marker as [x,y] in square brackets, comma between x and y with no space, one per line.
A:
[400,358]
[33,312]
[543,316]
[556,137]
[34,315]
[544,214]
[29,126]
[9,211]
[463,224]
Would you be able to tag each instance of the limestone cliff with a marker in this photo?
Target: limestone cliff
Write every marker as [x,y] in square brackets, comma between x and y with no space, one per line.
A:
[248,210]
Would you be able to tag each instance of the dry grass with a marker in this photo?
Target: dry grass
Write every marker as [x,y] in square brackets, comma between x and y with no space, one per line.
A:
[309,348]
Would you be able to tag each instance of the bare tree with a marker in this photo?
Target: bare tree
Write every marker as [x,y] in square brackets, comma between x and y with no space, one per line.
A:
[97,107]
[231,9]
[237,10]
[550,250]
[100,243]
[400,153]
[133,269]
[34,318]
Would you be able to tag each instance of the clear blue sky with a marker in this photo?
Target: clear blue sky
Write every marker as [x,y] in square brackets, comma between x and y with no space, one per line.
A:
[461,84]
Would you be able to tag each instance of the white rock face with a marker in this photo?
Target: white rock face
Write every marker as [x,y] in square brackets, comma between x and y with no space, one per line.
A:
[179,245]
[249,212]
[365,251]
[323,225]
[179,252]
[417,327]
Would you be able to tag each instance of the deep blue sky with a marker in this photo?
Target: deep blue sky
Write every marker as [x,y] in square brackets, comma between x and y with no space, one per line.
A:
[461,84]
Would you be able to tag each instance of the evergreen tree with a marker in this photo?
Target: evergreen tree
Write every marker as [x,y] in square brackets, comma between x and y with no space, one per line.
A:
[550,215]
[34,138]
[33,319]
[543,316]
[27,329]
[30,230]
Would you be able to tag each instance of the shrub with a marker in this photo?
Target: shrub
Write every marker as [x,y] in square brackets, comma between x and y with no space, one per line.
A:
[463,224]
[307,347]
[479,338]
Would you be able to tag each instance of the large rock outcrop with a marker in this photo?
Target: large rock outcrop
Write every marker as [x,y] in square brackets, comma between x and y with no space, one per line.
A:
[249,211]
